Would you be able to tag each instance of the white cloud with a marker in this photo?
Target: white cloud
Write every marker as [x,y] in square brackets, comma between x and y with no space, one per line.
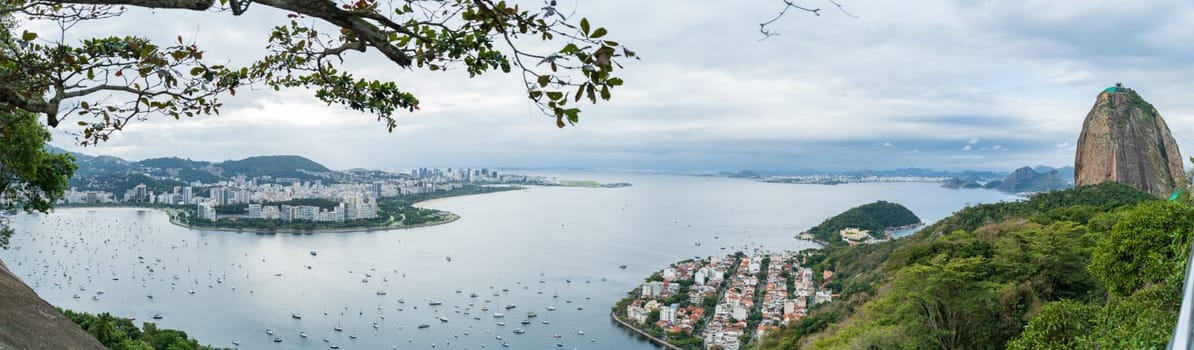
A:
[708,94]
[1069,73]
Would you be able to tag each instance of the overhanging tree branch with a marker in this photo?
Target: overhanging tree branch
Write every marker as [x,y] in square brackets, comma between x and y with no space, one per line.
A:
[790,5]
[106,82]
[198,5]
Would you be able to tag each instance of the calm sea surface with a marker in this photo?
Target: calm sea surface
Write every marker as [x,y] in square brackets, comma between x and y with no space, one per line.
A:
[534,248]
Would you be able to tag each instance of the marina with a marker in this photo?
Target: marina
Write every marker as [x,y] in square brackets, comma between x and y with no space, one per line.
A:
[232,286]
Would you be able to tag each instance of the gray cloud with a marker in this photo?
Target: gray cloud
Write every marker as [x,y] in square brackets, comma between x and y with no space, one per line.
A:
[902,86]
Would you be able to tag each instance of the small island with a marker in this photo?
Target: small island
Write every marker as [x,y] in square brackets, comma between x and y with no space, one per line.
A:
[867,223]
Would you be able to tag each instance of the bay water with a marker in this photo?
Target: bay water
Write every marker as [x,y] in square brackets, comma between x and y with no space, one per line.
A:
[535,248]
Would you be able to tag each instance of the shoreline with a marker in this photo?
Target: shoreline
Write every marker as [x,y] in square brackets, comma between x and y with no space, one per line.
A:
[451,217]
[641,333]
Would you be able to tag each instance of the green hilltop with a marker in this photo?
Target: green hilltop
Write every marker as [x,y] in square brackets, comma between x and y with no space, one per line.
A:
[276,166]
[108,173]
[875,217]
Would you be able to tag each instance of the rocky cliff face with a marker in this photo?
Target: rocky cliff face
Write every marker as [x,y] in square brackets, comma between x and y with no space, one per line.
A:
[1125,140]
[28,322]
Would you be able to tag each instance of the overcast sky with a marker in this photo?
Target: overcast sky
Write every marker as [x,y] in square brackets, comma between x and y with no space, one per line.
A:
[990,85]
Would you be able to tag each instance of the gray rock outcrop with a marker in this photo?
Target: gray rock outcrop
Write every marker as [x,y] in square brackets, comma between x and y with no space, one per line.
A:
[28,322]
[1124,139]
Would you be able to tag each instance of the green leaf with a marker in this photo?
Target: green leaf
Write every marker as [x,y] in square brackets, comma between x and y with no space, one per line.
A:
[196,70]
[573,118]
[605,93]
[614,81]
[569,49]
[580,91]
[600,32]
[85,105]
[555,95]
[584,26]
[543,80]
[28,36]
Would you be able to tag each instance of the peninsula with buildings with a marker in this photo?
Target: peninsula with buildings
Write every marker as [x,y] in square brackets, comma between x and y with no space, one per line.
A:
[286,193]
[725,302]
[728,302]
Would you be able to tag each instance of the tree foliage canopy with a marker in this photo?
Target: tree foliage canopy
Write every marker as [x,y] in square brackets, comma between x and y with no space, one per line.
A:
[31,178]
[104,83]
[1092,267]
[120,333]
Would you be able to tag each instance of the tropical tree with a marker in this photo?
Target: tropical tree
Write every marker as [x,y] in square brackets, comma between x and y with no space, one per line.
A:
[104,83]
[31,178]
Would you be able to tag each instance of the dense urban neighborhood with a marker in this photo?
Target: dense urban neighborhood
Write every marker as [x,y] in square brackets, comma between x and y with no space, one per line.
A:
[260,197]
[724,302]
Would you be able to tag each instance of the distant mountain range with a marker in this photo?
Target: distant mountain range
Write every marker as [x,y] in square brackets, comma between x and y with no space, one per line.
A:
[1028,179]
[110,173]
[968,175]
[1025,179]
[1041,178]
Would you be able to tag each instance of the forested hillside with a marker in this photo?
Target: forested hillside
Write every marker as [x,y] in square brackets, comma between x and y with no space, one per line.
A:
[1091,267]
[276,166]
[875,217]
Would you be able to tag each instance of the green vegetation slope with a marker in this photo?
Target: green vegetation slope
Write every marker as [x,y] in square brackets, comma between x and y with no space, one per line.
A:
[276,166]
[875,217]
[107,173]
[120,333]
[1091,267]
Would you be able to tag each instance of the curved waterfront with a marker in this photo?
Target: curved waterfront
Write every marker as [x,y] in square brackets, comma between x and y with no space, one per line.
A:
[504,240]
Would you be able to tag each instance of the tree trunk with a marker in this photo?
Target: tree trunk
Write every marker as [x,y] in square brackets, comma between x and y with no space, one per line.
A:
[198,5]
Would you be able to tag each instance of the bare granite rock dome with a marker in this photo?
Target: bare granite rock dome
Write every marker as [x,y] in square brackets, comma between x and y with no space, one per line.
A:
[1124,139]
